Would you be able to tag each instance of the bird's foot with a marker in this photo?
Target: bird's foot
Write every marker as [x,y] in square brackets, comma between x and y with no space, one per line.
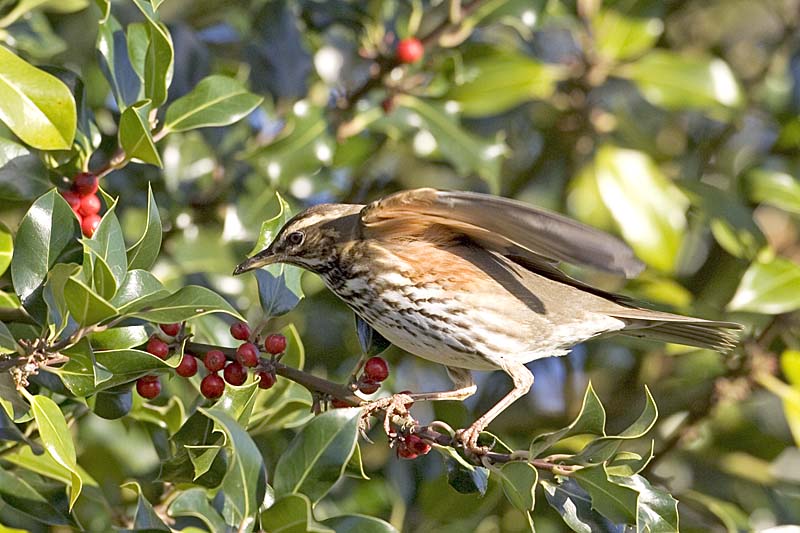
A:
[468,438]
[396,405]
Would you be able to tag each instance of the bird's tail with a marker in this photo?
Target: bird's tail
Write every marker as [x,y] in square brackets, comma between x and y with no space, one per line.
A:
[648,324]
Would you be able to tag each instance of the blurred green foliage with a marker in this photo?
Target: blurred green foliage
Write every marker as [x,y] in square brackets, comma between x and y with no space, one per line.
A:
[674,124]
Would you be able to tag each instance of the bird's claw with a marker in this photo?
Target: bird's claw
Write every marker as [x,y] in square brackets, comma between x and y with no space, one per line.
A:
[468,438]
[394,405]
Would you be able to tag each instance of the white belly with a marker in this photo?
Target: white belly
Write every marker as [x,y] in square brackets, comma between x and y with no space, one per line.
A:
[461,330]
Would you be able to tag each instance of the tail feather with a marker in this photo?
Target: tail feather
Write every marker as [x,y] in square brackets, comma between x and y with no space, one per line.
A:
[709,334]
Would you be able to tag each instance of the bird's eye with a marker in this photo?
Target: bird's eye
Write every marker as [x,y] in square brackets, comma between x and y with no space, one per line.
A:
[295,238]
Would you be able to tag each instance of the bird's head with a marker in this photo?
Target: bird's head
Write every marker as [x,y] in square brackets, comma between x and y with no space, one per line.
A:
[310,239]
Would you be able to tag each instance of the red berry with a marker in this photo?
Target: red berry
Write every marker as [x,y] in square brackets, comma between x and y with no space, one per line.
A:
[188,366]
[171,329]
[275,344]
[267,379]
[85,184]
[212,386]
[417,445]
[90,205]
[148,388]
[240,331]
[235,373]
[214,360]
[337,404]
[73,199]
[368,387]
[376,369]
[247,354]
[388,104]
[158,347]
[410,50]
[89,224]
[406,453]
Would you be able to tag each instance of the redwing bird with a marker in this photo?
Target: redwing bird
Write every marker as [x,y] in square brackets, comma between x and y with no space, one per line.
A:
[471,281]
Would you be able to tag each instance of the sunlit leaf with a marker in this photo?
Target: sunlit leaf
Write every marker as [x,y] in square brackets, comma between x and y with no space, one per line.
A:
[215,101]
[6,248]
[620,36]
[85,305]
[650,211]
[188,302]
[138,288]
[769,287]
[57,440]
[144,252]
[134,133]
[44,233]
[775,188]
[495,83]
[692,82]
[35,105]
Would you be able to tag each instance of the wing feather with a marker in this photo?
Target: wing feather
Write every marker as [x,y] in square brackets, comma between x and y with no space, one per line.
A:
[506,226]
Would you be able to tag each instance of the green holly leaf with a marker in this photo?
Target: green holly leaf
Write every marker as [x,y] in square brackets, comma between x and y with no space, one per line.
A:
[44,233]
[188,302]
[134,133]
[35,105]
[769,286]
[215,101]
[318,455]
[57,440]
[591,420]
[85,305]
[144,252]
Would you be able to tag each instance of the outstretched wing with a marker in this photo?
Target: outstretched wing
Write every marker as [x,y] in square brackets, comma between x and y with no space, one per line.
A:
[509,227]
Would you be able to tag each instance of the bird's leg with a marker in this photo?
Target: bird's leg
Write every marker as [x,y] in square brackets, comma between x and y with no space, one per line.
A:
[523,380]
[398,404]
[464,387]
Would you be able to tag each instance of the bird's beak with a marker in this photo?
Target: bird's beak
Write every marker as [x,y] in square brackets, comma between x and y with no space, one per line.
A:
[261,259]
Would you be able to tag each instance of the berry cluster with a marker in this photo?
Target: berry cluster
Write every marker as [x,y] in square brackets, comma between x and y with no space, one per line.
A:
[411,447]
[376,370]
[233,372]
[150,386]
[83,199]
